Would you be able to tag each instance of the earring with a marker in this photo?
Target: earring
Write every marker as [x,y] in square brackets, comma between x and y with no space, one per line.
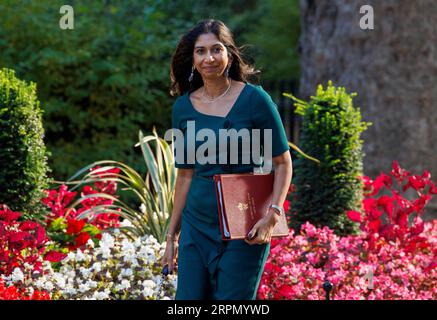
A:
[227,72]
[190,78]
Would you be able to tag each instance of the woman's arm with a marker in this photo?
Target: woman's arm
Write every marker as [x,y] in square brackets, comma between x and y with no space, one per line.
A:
[182,185]
[283,174]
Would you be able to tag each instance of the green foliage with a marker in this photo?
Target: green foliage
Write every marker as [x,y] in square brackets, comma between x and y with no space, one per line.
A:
[155,192]
[100,82]
[331,132]
[275,38]
[23,159]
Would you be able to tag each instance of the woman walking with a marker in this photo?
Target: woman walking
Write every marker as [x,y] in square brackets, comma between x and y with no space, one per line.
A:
[211,79]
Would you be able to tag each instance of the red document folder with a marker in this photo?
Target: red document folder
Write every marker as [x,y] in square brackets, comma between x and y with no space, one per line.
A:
[242,200]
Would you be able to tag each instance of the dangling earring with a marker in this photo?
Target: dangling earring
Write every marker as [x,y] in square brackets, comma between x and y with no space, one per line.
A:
[190,78]
[227,71]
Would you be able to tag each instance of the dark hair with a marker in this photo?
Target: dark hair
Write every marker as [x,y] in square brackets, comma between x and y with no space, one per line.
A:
[182,59]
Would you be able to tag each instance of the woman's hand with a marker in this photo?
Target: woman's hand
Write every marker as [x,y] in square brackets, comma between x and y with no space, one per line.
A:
[170,255]
[263,229]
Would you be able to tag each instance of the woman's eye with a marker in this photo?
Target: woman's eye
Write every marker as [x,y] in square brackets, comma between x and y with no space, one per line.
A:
[215,50]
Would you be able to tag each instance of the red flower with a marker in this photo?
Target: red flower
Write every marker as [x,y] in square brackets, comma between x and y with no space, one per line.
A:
[8,215]
[82,239]
[386,203]
[354,215]
[286,205]
[418,227]
[54,256]
[40,295]
[398,172]
[433,188]
[374,225]
[416,182]
[419,204]
[75,226]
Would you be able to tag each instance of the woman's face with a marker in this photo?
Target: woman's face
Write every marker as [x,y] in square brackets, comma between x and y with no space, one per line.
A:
[210,56]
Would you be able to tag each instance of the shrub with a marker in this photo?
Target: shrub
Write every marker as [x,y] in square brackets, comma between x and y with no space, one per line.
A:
[23,160]
[331,133]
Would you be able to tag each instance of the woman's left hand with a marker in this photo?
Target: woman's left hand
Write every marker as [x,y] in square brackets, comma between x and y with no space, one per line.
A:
[263,229]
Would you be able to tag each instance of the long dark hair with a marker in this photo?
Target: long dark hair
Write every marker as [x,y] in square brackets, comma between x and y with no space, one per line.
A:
[182,59]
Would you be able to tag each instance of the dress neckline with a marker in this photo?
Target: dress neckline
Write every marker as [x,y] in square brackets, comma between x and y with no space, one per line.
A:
[246,85]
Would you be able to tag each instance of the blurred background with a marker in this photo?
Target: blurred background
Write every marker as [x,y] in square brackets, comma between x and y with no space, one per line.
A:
[102,82]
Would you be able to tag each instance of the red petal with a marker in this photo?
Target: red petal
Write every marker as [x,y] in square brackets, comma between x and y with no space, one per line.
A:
[354,215]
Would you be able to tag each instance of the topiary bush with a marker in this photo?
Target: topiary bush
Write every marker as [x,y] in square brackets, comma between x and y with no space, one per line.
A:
[331,130]
[23,158]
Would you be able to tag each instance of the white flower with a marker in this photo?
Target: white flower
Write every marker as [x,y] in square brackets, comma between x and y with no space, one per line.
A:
[39,283]
[129,257]
[70,257]
[79,256]
[138,242]
[30,290]
[143,208]
[134,263]
[127,246]
[27,266]
[107,241]
[59,279]
[125,284]
[49,286]
[17,275]
[97,267]
[126,272]
[85,272]
[90,243]
[149,284]
[106,252]
[146,253]
[91,284]
[70,290]
[100,295]
[147,292]
[83,288]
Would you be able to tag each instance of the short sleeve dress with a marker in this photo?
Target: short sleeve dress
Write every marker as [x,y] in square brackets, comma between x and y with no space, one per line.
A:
[209,268]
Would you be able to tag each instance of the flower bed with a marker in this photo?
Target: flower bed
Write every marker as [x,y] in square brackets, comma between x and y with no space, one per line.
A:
[116,269]
[390,259]
[394,256]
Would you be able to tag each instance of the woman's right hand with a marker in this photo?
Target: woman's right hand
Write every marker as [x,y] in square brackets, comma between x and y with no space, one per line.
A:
[170,254]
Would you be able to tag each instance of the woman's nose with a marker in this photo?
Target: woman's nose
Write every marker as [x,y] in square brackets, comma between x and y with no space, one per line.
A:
[209,57]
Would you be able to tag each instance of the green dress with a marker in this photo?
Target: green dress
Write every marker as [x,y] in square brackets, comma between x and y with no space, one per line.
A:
[209,268]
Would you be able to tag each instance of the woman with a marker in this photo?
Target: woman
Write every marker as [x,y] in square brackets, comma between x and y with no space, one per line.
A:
[210,77]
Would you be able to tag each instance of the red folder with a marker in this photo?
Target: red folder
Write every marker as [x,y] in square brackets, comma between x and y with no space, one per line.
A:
[242,200]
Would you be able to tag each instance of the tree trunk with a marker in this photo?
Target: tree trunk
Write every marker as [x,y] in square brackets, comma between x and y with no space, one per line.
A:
[393,68]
